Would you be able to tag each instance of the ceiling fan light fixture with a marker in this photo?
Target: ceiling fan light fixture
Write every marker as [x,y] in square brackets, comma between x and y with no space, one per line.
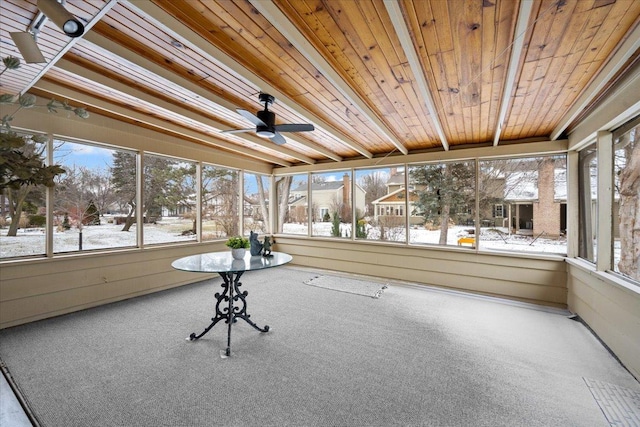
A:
[265,133]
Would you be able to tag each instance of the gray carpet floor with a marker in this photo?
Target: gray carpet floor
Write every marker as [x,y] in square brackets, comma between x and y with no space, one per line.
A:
[412,357]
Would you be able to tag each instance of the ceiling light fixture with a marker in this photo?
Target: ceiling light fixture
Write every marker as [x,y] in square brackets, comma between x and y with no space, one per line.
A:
[26,41]
[265,133]
[61,17]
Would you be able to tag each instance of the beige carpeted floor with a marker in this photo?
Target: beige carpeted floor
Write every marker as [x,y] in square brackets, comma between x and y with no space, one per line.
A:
[412,357]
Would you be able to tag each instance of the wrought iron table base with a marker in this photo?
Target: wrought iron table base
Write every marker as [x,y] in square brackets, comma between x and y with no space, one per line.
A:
[227,310]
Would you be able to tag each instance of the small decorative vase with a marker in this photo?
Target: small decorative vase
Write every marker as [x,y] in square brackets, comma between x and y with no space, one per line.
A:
[238,253]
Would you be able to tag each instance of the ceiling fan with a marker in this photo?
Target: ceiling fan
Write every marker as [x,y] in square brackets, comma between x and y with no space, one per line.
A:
[265,122]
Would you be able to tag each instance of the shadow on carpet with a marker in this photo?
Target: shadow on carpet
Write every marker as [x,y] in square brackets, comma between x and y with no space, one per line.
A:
[351,286]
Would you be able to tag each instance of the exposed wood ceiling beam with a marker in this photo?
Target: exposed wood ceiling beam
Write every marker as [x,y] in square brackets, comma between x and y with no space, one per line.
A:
[160,125]
[617,61]
[215,125]
[408,46]
[280,22]
[180,31]
[69,45]
[526,6]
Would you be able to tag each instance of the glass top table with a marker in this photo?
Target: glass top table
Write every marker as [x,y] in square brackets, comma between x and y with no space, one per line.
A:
[231,303]
[223,262]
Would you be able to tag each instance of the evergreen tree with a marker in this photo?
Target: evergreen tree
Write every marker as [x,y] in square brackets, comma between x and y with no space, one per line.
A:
[123,172]
[156,174]
[443,190]
[335,225]
[92,215]
[23,172]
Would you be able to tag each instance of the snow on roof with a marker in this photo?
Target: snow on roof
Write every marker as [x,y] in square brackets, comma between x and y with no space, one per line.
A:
[524,185]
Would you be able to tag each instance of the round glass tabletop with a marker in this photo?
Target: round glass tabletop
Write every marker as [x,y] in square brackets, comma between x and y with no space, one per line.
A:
[223,262]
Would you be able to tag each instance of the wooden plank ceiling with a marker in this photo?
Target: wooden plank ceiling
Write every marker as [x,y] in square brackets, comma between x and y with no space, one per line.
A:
[375,77]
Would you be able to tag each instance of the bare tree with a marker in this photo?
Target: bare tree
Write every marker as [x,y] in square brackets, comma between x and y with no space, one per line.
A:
[283,187]
[629,190]
[220,198]
[102,190]
[375,186]
[262,202]
[74,197]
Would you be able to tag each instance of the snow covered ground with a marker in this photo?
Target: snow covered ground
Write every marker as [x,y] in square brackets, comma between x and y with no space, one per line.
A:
[105,236]
[489,237]
[31,241]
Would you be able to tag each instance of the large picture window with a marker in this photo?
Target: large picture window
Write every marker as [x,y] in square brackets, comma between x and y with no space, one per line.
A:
[293,200]
[169,200]
[533,194]
[384,214]
[220,201]
[93,198]
[442,207]
[331,204]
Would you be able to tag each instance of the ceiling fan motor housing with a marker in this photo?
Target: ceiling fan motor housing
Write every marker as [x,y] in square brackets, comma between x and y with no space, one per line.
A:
[266,99]
[268,118]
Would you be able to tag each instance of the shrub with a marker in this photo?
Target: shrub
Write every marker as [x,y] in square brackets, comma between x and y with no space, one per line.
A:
[37,221]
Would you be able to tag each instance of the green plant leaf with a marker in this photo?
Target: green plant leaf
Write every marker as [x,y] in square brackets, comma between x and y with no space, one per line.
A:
[11,62]
[82,113]
[7,98]
[27,100]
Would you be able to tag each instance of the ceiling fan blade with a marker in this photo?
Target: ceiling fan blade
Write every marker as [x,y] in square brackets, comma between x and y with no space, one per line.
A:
[278,139]
[294,127]
[237,130]
[251,117]
[26,44]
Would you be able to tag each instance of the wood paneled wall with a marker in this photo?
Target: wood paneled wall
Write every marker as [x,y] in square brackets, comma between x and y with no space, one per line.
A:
[611,308]
[539,280]
[52,287]
[38,289]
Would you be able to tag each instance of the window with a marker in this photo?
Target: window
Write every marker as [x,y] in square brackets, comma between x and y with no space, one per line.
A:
[22,207]
[444,193]
[626,203]
[588,199]
[498,211]
[220,202]
[331,192]
[292,192]
[256,203]
[532,192]
[169,200]
[94,200]
[380,213]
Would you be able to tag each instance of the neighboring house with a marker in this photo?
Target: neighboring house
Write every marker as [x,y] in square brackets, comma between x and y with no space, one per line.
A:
[539,202]
[535,200]
[251,205]
[326,198]
[182,207]
[392,205]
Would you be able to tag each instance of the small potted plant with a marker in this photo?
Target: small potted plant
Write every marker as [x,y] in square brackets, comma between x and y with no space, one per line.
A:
[238,245]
